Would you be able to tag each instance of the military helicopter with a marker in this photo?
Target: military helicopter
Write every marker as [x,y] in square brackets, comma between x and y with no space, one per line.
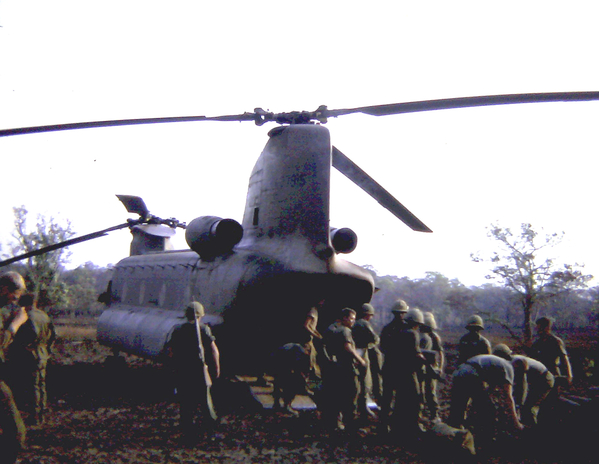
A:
[258,279]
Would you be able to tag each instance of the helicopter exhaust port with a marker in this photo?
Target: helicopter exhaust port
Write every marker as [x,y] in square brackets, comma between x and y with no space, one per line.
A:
[211,236]
[344,240]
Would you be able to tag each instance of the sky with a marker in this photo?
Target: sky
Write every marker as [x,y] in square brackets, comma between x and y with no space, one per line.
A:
[458,170]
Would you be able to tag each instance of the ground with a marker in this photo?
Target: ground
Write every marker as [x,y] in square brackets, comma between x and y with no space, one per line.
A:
[126,413]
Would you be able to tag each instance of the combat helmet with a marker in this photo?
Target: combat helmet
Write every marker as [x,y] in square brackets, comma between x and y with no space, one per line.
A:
[475,322]
[429,320]
[414,315]
[367,308]
[194,309]
[400,306]
[503,351]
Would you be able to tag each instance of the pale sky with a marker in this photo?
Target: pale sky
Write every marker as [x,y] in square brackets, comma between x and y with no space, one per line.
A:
[457,170]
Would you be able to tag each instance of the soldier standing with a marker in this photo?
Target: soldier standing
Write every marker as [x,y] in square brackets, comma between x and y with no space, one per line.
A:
[291,364]
[551,350]
[473,343]
[403,361]
[191,347]
[28,359]
[432,348]
[340,377]
[367,346]
[12,317]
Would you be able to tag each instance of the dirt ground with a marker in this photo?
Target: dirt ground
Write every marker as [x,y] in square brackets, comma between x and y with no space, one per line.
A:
[127,413]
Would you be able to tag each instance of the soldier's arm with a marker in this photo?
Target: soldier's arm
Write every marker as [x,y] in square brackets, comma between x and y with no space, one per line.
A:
[565,362]
[216,358]
[506,401]
[350,349]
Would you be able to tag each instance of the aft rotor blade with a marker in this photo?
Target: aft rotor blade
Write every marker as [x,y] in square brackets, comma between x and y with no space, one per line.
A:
[123,122]
[465,102]
[353,172]
[64,244]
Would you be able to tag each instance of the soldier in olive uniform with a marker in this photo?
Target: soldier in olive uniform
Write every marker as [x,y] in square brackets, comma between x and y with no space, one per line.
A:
[432,348]
[403,361]
[28,359]
[12,317]
[367,342]
[532,384]
[340,376]
[473,343]
[191,348]
[551,350]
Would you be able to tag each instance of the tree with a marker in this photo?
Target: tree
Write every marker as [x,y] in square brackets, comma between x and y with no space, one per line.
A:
[522,269]
[41,272]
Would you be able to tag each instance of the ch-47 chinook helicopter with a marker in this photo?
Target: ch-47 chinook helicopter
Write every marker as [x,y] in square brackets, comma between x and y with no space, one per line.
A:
[258,279]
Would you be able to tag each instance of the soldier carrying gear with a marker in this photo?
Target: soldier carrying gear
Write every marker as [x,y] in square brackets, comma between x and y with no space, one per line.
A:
[192,346]
[403,361]
[367,341]
[28,358]
[12,317]
[432,348]
[473,343]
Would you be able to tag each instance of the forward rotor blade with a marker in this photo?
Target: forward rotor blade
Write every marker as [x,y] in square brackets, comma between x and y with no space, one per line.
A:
[123,122]
[465,102]
[64,244]
[353,172]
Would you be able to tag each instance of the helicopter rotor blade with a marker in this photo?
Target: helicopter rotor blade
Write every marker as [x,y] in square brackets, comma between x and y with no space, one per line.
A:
[465,102]
[66,243]
[260,116]
[123,122]
[353,172]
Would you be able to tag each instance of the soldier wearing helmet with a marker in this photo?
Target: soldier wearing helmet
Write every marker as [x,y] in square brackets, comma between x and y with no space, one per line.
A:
[432,348]
[192,348]
[12,317]
[473,343]
[367,341]
[533,383]
[403,360]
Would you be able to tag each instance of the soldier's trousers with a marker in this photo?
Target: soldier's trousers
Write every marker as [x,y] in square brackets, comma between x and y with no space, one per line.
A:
[12,438]
[194,395]
[402,401]
[341,388]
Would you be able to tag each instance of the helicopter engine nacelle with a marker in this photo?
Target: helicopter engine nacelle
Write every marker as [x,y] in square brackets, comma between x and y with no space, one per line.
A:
[344,240]
[211,236]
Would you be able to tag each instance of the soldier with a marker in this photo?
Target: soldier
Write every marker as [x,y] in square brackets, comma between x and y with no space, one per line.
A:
[291,368]
[366,344]
[532,385]
[28,358]
[432,348]
[403,361]
[12,317]
[482,379]
[340,377]
[473,343]
[191,347]
[551,350]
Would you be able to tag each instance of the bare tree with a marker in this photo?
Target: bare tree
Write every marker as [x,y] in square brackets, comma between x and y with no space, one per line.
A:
[533,279]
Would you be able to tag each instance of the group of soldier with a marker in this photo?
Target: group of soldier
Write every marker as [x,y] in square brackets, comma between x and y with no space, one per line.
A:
[399,370]
[26,336]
